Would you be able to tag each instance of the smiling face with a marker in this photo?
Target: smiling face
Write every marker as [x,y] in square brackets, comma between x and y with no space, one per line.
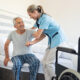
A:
[34,15]
[19,25]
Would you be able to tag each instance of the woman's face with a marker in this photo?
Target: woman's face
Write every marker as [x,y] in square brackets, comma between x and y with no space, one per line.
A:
[33,15]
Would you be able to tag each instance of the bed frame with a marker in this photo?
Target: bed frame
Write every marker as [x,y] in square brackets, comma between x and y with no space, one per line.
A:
[6,74]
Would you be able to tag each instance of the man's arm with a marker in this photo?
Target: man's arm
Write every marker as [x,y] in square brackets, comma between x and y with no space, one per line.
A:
[36,40]
[6,52]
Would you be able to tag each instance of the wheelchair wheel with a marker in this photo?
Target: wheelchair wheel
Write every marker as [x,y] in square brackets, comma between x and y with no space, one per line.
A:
[69,75]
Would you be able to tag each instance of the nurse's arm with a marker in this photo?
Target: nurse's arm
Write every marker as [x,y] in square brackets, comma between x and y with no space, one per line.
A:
[38,33]
[36,40]
[33,28]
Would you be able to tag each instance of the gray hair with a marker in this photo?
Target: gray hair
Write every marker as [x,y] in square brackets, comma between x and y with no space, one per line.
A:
[33,7]
[14,20]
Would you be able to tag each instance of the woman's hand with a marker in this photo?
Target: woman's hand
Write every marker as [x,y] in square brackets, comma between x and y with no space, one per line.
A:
[6,61]
[29,43]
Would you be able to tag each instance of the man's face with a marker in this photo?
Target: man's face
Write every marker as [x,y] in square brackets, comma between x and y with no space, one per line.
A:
[19,25]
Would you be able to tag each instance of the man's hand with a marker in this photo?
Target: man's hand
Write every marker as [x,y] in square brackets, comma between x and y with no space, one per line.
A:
[6,61]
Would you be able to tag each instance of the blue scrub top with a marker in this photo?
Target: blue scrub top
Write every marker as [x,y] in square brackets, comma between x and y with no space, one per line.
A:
[51,29]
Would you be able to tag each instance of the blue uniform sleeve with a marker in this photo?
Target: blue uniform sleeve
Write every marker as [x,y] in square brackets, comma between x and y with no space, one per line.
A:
[44,24]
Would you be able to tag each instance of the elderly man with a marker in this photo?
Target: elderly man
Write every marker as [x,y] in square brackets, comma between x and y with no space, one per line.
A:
[21,52]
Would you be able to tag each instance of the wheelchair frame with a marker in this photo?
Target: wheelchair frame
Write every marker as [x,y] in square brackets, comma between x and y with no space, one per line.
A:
[62,72]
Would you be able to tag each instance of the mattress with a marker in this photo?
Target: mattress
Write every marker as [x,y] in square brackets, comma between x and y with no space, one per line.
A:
[24,67]
[62,61]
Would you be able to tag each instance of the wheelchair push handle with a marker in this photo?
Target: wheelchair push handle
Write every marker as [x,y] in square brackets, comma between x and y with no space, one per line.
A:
[67,50]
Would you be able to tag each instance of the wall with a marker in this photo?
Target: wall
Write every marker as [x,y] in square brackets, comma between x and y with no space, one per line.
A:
[67,14]
[17,6]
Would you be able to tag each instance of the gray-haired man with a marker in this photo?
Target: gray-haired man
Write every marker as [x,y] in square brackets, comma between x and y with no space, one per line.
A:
[21,52]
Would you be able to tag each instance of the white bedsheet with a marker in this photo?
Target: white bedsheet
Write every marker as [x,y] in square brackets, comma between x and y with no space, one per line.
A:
[62,61]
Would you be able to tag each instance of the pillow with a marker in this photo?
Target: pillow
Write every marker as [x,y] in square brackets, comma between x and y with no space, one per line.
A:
[39,48]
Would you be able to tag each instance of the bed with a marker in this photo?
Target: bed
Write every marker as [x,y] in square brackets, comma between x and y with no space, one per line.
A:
[38,49]
[6,72]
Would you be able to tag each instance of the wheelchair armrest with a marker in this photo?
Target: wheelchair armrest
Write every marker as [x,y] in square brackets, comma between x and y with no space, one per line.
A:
[68,50]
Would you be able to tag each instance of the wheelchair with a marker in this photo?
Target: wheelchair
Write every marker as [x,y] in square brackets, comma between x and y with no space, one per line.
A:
[64,73]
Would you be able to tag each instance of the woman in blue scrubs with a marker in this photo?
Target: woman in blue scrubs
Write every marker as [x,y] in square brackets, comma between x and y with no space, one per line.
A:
[46,27]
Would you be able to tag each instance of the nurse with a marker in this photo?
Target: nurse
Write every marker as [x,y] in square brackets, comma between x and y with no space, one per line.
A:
[46,27]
